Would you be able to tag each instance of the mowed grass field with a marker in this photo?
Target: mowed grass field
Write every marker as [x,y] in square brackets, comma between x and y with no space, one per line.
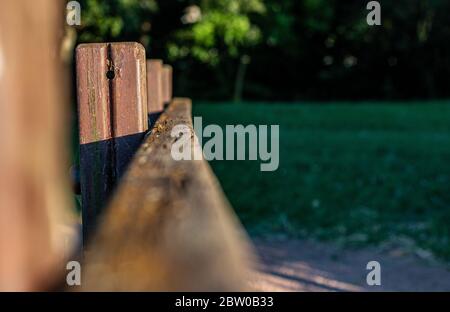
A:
[353,173]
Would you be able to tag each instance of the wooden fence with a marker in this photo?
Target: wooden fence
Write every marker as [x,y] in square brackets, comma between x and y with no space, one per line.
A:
[149,222]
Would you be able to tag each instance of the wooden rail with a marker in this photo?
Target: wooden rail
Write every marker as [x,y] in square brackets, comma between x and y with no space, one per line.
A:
[168,225]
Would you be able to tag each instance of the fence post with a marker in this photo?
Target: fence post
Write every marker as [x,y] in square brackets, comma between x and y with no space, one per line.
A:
[167,84]
[154,89]
[112,108]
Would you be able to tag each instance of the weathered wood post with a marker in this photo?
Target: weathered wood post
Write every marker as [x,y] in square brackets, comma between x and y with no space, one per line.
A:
[154,89]
[167,84]
[112,105]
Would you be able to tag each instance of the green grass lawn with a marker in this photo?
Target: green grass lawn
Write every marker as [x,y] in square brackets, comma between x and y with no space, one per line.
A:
[358,174]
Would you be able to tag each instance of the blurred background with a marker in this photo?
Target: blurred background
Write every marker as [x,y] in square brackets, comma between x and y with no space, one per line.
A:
[363,110]
[286,50]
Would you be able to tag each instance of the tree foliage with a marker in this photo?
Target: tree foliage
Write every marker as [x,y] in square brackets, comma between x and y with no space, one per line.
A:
[222,31]
[294,49]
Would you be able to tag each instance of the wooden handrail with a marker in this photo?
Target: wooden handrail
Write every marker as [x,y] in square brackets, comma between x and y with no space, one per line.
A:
[169,226]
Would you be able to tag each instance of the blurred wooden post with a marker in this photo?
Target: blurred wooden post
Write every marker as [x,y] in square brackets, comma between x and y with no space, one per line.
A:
[167,84]
[112,105]
[154,89]
[34,186]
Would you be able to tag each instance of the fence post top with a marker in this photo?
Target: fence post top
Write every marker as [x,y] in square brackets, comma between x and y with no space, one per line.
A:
[93,45]
[155,62]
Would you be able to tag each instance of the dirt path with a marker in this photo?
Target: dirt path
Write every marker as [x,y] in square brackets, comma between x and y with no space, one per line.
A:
[298,265]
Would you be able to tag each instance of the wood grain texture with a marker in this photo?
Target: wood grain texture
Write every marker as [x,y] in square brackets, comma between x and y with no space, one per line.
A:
[93,94]
[115,106]
[128,88]
[169,226]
